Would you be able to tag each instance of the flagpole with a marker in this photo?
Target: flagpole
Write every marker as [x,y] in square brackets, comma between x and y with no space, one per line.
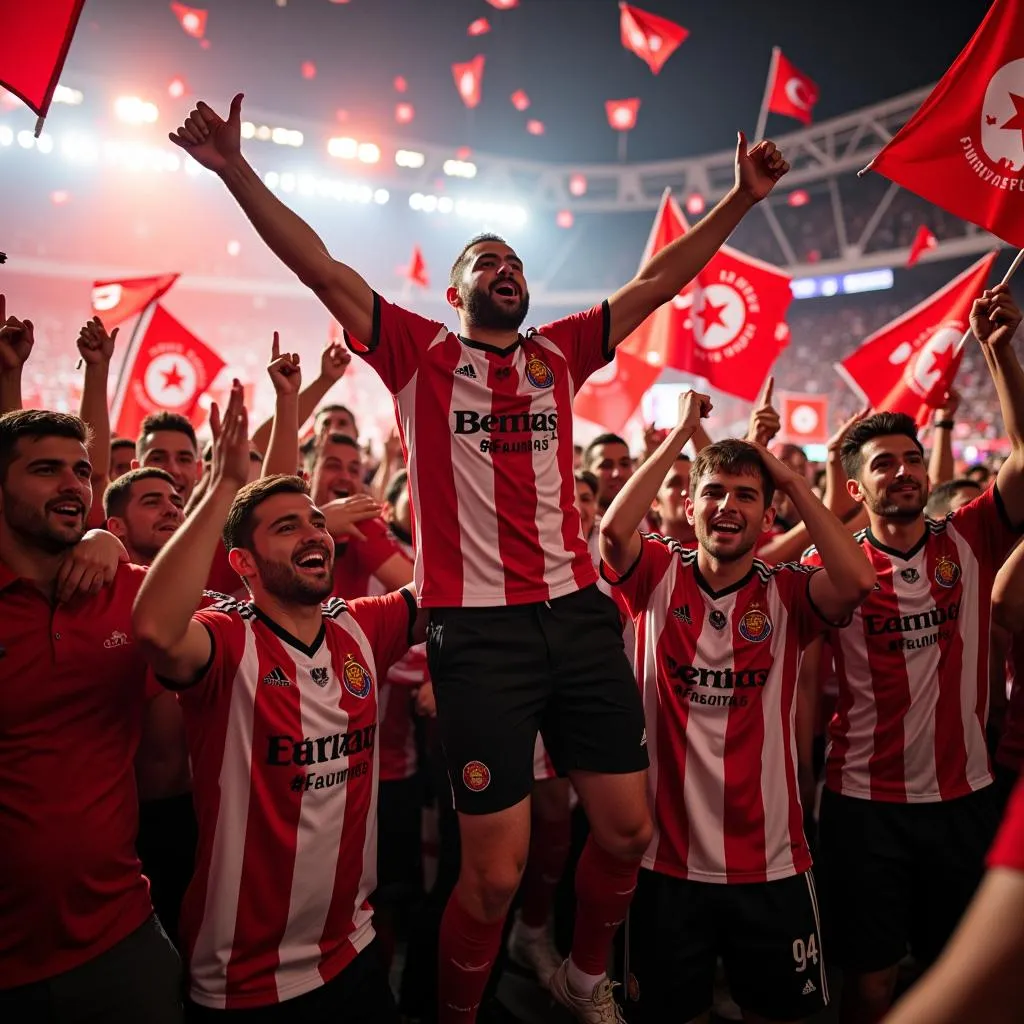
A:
[118,399]
[762,118]
[1011,270]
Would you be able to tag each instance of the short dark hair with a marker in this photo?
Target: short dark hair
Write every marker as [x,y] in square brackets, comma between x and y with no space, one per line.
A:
[121,442]
[396,486]
[978,469]
[463,258]
[119,491]
[335,439]
[584,476]
[241,520]
[334,407]
[35,424]
[164,420]
[882,424]
[941,498]
[786,450]
[601,439]
[738,458]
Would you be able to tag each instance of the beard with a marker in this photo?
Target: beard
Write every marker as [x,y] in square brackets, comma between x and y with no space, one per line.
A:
[483,311]
[31,526]
[281,580]
[882,506]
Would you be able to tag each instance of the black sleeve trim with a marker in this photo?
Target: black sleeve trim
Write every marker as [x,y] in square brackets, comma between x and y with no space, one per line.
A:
[1003,514]
[177,687]
[817,611]
[606,332]
[625,576]
[410,603]
[371,345]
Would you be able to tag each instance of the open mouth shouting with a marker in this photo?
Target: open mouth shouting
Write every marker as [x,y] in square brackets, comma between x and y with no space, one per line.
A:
[726,528]
[313,561]
[67,510]
[506,289]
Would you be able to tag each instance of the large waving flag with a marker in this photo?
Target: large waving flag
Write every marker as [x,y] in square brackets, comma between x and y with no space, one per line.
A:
[119,300]
[652,38]
[964,148]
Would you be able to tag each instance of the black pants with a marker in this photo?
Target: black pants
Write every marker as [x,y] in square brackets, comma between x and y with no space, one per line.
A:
[138,981]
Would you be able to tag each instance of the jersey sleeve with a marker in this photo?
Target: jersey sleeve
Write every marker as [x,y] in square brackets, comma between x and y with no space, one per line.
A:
[1008,849]
[227,643]
[379,546]
[387,622]
[583,341]
[637,583]
[986,527]
[794,583]
[399,339]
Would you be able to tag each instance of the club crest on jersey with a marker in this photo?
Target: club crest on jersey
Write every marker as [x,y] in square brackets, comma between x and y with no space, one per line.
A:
[910,575]
[717,619]
[947,572]
[357,680]
[476,776]
[538,373]
[755,625]
[319,676]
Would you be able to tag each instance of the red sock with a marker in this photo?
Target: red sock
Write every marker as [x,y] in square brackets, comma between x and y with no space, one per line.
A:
[604,889]
[549,848]
[466,952]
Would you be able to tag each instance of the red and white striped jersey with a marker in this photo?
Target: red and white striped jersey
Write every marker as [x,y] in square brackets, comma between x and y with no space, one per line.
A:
[912,665]
[488,439]
[283,741]
[718,673]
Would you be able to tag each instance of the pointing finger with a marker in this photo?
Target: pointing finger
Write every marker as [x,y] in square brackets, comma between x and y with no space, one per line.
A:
[275,347]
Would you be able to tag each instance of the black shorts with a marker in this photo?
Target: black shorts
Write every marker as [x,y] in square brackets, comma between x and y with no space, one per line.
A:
[767,934]
[898,876]
[399,840]
[500,674]
[359,994]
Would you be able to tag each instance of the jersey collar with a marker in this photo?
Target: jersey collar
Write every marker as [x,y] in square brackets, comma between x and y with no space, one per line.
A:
[483,347]
[716,594]
[904,556]
[292,641]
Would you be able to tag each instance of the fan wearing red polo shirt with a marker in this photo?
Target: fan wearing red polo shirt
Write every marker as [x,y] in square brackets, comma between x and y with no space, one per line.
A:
[719,641]
[78,939]
[521,638]
[907,812]
[280,702]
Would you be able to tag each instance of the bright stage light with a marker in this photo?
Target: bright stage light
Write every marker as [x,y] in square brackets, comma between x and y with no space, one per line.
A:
[133,110]
[445,204]
[410,158]
[248,129]
[45,143]
[381,196]
[343,148]
[271,179]
[64,94]
[368,153]
[234,248]
[286,137]
[416,201]
[578,185]
[459,168]
[26,139]
[695,204]
[6,135]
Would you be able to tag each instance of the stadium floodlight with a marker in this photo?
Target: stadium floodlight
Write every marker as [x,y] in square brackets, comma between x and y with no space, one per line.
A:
[272,179]
[65,94]
[695,204]
[459,168]
[287,137]
[287,182]
[368,153]
[416,201]
[867,281]
[381,196]
[410,158]
[344,148]
[564,219]
[6,135]
[132,110]
[45,143]
[445,204]
[248,130]
[79,148]
[578,185]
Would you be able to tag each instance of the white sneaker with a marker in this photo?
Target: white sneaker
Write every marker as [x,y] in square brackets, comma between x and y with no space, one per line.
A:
[597,1008]
[535,953]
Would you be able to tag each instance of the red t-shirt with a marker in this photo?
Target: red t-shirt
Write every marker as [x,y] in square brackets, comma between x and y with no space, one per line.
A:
[355,561]
[1008,849]
[488,434]
[71,705]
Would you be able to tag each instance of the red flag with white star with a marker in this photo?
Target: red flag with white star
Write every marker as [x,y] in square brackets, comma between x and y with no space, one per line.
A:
[909,364]
[169,369]
[469,78]
[116,301]
[728,325]
[964,148]
[651,38]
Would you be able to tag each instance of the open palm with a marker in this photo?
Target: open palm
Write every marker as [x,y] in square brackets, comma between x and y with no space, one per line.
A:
[208,138]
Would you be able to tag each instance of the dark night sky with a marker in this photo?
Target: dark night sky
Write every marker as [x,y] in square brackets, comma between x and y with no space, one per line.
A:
[565,53]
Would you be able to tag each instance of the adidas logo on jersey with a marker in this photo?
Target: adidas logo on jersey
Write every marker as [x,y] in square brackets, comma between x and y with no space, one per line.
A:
[276,677]
[682,613]
[466,370]
[809,988]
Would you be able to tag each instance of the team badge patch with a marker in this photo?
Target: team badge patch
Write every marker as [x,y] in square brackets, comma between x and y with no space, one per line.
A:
[538,373]
[910,575]
[755,625]
[357,680]
[717,619]
[319,676]
[947,572]
[476,776]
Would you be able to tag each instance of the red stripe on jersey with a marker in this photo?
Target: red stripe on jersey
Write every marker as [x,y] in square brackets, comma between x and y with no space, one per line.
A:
[791,657]
[838,731]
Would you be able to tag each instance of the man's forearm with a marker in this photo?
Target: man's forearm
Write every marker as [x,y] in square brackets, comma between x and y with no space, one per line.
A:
[837,499]
[10,391]
[283,451]
[309,398]
[1008,378]
[96,415]
[940,460]
[174,585]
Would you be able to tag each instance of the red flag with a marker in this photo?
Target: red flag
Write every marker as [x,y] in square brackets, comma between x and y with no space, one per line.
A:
[116,301]
[417,272]
[479,27]
[727,326]
[964,148]
[804,419]
[622,114]
[520,100]
[610,395]
[790,91]
[912,361]
[923,241]
[169,369]
[192,19]
[36,38]
[651,38]
[469,79]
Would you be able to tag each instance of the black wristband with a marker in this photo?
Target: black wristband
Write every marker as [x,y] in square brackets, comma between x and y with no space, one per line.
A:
[943,424]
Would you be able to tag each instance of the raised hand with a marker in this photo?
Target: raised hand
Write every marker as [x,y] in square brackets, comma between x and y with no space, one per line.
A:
[393,446]
[782,476]
[758,171]
[995,317]
[835,442]
[231,447]
[342,514]
[284,370]
[653,436]
[764,419]
[208,138]
[16,339]
[950,404]
[334,361]
[693,407]
[94,344]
